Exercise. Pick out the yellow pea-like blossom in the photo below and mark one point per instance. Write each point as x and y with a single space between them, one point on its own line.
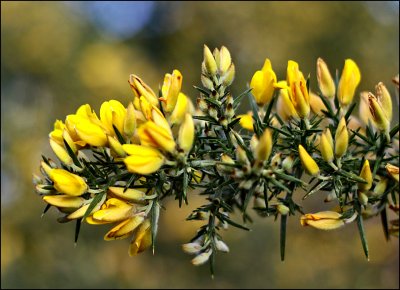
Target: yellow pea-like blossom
130 194
308 162
325 80
284 106
348 83
90 132
324 220
298 92
171 89
113 113
140 88
317 105
378 114
142 238
57 133
262 83
142 159
114 210
182 107
64 200
67 182
124 229
152 135
341 138
116 146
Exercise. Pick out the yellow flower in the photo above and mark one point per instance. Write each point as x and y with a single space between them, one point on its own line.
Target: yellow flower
116 146
308 163
348 83
113 113
341 138
324 220
142 238
186 134
366 174
263 82
246 121
90 132
57 133
130 194
298 92
170 89
124 229
114 210
393 171
140 88
64 200
67 182
142 159
378 114
325 80
264 146
182 107
152 135
284 106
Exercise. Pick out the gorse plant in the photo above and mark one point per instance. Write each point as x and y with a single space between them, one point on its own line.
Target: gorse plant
119 168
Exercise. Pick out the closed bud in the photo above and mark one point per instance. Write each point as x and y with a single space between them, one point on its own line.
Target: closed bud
348 83
213 112
264 147
229 76
61 153
140 88
192 248
116 146
362 198
384 99
186 134
317 105
282 209
225 60
366 174
287 163
276 160
209 61
308 162
207 83
341 138
201 258
67 182
241 155
326 146
325 80
130 121
64 200
380 187
380 119
202 104
170 89
221 246
246 121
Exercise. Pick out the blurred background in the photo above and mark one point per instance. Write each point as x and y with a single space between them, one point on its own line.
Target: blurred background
56 56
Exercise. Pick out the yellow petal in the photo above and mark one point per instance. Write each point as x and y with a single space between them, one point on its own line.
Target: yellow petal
348 83
116 210
341 138
186 134
142 239
68 183
246 121
366 174
143 159
128 194
61 153
181 107
90 133
264 146
124 229
325 80
64 200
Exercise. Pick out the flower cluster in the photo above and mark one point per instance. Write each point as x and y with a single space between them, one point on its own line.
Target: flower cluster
118 169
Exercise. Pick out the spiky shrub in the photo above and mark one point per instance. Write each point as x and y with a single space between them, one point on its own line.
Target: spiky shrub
119 168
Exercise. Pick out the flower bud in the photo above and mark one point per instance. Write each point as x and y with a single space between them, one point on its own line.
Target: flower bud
186 134
366 174
287 163
225 60
171 89
380 187
317 105
207 82
325 146
264 146
140 88
201 258
308 163
246 121
192 248
116 146
282 209
64 200
341 138
229 76
380 119
221 246
209 61
130 121
61 153
362 198
325 80
263 82
348 83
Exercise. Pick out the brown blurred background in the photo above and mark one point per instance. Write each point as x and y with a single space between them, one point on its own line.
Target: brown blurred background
56 56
